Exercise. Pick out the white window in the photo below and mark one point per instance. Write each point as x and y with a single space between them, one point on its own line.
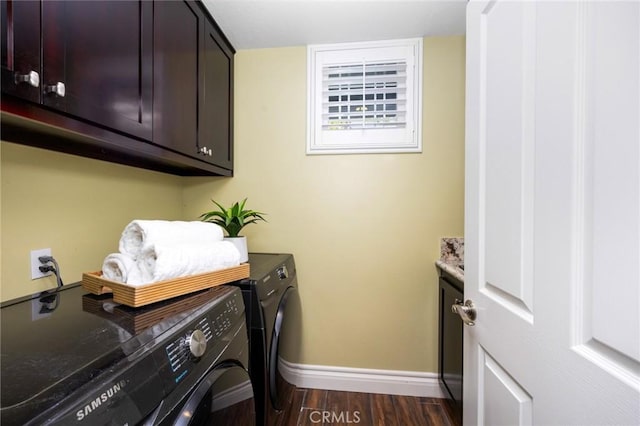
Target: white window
365 97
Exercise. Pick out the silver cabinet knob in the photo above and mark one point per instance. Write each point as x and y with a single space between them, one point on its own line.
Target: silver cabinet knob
32 78
205 151
57 89
197 343
466 311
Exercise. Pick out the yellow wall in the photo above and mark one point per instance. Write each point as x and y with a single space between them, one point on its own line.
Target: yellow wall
75 206
364 229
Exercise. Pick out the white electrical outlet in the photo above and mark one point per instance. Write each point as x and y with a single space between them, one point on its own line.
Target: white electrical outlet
35 263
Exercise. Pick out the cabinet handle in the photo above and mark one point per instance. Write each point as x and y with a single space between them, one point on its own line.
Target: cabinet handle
32 78
205 151
57 89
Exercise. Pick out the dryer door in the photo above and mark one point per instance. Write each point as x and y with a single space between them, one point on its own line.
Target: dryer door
224 397
275 381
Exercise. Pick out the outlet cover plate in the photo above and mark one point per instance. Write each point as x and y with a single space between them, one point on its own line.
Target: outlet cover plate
35 263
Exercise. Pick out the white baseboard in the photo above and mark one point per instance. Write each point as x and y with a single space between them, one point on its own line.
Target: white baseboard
392 382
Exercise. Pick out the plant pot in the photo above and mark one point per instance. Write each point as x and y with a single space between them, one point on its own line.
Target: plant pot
241 245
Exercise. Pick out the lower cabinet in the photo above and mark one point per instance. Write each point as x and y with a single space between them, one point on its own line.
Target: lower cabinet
450 340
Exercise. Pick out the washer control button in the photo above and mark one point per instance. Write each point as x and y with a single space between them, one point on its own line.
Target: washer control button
282 272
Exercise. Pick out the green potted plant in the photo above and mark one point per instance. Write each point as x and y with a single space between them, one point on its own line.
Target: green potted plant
232 220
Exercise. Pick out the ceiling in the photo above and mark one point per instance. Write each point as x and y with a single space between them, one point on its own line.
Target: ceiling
253 24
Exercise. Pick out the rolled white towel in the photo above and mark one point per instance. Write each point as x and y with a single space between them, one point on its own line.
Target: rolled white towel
160 262
141 233
121 268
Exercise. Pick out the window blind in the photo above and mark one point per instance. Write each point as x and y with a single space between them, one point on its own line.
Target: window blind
365 95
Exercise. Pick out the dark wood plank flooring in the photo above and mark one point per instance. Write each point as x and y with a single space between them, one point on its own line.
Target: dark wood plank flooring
315 407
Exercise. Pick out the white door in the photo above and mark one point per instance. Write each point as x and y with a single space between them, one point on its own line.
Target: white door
552 227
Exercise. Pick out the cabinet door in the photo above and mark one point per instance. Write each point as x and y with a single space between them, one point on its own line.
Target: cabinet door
216 118
20 28
177 40
97 62
450 347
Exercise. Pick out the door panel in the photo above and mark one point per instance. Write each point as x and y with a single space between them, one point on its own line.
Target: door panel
504 401
100 51
508 147
216 104
177 40
20 51
609 191
552 213
450 336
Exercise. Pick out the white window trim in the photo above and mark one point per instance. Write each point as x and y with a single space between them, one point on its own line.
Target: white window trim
414 96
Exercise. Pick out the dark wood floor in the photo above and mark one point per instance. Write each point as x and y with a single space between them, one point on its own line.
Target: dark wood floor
314 407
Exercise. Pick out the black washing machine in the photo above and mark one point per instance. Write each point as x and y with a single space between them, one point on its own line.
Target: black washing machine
271 287
73 358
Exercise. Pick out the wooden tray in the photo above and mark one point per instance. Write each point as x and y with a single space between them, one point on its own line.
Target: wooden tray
134 320
145 294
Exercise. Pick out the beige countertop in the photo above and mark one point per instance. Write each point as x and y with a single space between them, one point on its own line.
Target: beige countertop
453 269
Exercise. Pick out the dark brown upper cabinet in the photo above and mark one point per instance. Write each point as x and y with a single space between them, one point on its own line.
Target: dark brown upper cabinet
99 54
177 29
21 70
89 59
193 66
142 83
216 116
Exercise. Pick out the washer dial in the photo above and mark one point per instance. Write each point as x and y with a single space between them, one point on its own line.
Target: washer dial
197 343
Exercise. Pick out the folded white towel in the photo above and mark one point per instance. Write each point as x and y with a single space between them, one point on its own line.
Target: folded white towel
158 262
141 233
121 268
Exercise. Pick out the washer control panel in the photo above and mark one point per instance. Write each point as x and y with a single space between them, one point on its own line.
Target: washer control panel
192 345
223 320
197 341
